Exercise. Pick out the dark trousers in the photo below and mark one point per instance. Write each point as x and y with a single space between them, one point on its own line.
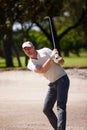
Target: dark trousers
58 91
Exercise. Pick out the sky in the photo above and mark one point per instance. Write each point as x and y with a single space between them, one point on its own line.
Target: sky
17 26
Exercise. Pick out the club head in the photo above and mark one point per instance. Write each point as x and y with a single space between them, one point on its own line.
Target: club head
46 18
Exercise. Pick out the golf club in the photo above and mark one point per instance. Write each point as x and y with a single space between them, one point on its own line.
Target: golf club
52 35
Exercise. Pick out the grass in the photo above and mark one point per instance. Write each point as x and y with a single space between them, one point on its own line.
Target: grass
71 61
22 59
2 62
76 61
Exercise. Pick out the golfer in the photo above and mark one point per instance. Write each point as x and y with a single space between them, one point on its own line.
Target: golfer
43 62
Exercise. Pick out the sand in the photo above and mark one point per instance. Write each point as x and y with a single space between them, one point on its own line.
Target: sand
22 95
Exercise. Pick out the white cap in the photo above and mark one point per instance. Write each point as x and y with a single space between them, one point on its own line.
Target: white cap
27 44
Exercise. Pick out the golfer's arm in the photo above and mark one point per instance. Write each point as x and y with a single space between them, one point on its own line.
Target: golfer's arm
44 68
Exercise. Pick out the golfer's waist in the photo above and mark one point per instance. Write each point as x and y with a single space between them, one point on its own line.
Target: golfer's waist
52 80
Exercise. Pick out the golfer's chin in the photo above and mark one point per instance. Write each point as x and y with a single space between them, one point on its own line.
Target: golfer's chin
31 56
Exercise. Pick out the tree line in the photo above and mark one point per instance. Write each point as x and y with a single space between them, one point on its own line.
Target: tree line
70 26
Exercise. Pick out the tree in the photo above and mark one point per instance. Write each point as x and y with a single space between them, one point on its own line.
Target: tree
33 11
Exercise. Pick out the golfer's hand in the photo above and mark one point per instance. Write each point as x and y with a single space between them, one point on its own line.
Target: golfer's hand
53 53
60 60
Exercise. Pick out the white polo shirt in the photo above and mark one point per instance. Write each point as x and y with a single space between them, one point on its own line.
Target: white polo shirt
55 71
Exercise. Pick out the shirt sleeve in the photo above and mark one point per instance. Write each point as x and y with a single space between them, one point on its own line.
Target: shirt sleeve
49 51
30 65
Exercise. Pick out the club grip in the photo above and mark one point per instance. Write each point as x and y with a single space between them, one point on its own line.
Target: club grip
56 58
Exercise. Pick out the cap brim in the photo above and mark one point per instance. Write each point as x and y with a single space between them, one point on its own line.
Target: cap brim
27 44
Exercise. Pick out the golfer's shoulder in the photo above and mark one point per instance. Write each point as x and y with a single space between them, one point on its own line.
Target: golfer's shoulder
45 49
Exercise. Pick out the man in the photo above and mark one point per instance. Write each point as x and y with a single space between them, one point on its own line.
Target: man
43 61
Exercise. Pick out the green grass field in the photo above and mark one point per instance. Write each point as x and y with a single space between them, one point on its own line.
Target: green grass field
79 62
71 61
76 61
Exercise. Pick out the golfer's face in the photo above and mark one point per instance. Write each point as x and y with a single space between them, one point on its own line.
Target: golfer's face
29 51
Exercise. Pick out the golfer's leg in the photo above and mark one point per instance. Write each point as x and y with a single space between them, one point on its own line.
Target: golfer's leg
49 103
62 92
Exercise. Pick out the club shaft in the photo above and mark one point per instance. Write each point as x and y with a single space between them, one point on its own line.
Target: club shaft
51 29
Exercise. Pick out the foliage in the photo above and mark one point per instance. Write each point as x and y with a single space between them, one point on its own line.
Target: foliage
39 38
71 43
67 15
